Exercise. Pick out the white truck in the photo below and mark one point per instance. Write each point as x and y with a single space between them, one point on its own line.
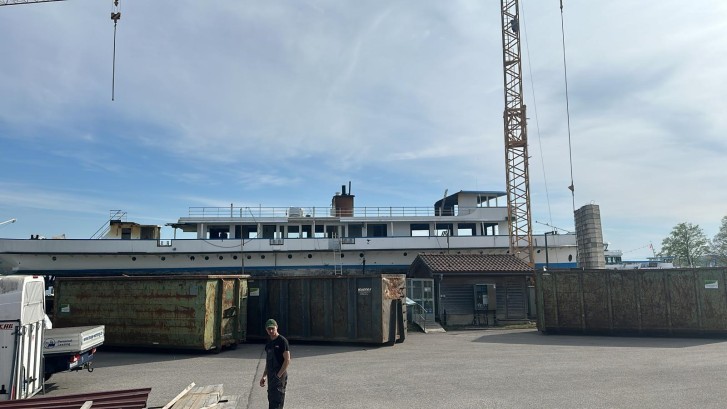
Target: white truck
30 353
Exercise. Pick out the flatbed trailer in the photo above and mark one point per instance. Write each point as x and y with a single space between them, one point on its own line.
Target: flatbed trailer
71 348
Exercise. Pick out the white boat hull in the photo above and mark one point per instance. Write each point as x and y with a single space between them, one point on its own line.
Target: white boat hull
253 256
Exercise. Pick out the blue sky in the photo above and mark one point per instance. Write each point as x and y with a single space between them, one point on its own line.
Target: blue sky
279 103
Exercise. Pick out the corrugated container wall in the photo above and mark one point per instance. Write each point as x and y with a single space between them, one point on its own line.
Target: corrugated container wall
689 302
365 309
186 312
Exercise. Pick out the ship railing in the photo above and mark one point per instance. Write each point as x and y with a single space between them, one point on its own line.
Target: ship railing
320 212
114 215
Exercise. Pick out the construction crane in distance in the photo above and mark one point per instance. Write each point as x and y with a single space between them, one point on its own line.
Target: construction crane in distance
516 137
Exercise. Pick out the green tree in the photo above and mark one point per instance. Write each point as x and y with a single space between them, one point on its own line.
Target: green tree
719 244
686 243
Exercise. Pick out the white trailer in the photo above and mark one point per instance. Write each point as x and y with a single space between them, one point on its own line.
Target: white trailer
22 309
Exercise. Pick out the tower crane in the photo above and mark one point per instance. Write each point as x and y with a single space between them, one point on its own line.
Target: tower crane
516 137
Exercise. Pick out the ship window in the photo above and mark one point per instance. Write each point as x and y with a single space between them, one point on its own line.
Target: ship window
332 231
147 233
293 232
489 229
419 229
126 233
466 229
355 230
319 234
248 231
376 230
443 229
269 231
218 232
306 231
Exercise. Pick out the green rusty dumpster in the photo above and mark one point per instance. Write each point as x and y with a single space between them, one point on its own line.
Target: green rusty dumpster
679 302
201 312
360 309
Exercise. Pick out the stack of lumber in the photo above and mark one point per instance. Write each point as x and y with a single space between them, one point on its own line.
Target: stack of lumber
202 397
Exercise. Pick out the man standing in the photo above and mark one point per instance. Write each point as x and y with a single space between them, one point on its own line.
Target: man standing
277 360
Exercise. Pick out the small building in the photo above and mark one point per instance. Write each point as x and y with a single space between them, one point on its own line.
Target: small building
470 289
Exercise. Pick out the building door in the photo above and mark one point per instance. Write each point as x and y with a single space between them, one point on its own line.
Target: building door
421 291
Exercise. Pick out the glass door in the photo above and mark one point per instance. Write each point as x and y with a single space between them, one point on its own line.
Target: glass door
421 291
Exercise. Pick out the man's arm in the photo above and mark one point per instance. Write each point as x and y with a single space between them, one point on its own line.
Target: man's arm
286 362
265 374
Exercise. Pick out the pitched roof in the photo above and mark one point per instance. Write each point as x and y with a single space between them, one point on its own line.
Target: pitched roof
470 263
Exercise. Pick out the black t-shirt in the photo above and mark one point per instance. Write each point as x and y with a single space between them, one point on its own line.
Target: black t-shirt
274 350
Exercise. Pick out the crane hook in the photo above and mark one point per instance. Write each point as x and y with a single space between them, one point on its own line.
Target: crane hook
115 16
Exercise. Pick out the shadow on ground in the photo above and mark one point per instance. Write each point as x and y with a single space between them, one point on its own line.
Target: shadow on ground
534 337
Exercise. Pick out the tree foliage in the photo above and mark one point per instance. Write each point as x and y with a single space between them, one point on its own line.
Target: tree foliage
686 243
719 244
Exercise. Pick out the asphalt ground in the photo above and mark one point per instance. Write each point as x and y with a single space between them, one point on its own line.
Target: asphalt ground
462 369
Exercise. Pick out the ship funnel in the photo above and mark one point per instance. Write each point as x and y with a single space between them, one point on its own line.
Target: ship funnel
342 205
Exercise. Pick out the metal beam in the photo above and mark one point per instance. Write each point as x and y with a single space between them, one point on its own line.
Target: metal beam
15 2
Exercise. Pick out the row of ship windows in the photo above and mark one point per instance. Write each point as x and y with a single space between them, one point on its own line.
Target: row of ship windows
262 256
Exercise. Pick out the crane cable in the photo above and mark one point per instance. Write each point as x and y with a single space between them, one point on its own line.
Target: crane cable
567 108
115 16
535 106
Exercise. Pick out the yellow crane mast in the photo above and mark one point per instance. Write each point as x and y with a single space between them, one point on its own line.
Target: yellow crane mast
516 137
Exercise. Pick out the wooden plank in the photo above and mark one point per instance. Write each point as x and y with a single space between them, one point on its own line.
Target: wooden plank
200 397
228 402
179 396
87 404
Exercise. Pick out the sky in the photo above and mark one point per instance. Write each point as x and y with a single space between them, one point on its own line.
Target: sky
279 103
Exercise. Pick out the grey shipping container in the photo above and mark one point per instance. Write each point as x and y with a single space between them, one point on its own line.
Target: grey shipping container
685 302
360 309
204 312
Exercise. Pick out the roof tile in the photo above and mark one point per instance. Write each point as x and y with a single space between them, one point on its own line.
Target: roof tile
461 263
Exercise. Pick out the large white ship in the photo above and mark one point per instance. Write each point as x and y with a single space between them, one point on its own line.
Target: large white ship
336 239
